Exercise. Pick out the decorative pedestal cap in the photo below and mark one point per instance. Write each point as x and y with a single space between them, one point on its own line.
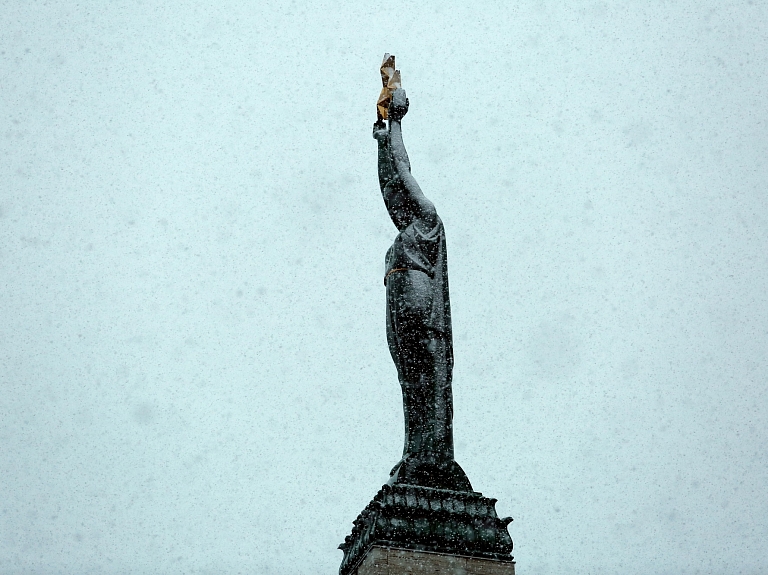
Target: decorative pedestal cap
425 519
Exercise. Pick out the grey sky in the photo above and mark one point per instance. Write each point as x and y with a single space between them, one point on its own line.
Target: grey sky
193 364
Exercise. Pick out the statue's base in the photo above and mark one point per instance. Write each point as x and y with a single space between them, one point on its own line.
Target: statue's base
392 561
437 523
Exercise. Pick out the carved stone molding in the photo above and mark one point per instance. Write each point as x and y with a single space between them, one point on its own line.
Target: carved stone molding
426 519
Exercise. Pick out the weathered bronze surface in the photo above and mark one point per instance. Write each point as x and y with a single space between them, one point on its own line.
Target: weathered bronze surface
418 315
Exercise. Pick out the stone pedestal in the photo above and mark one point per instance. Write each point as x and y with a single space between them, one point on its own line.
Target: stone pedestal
426 528
393 561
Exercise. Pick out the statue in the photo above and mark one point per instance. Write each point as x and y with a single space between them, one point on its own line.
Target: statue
418 308
428 504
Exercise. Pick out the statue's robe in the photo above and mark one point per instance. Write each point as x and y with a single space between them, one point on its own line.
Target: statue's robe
421 344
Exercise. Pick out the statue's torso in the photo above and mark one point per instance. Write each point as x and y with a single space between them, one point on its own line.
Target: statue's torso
423 251
415 249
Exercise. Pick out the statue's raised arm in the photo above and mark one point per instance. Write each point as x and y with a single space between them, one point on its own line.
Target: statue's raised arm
402 195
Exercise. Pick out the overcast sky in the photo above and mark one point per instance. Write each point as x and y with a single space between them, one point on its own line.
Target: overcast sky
193 365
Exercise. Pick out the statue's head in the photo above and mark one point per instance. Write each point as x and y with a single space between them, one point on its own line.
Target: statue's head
398 204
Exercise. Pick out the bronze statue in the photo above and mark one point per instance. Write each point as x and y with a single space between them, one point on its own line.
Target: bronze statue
418 312
428 503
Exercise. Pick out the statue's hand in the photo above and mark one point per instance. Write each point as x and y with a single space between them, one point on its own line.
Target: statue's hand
380 131
398 107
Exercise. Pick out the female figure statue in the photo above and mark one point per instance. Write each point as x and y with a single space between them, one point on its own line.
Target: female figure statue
418 315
